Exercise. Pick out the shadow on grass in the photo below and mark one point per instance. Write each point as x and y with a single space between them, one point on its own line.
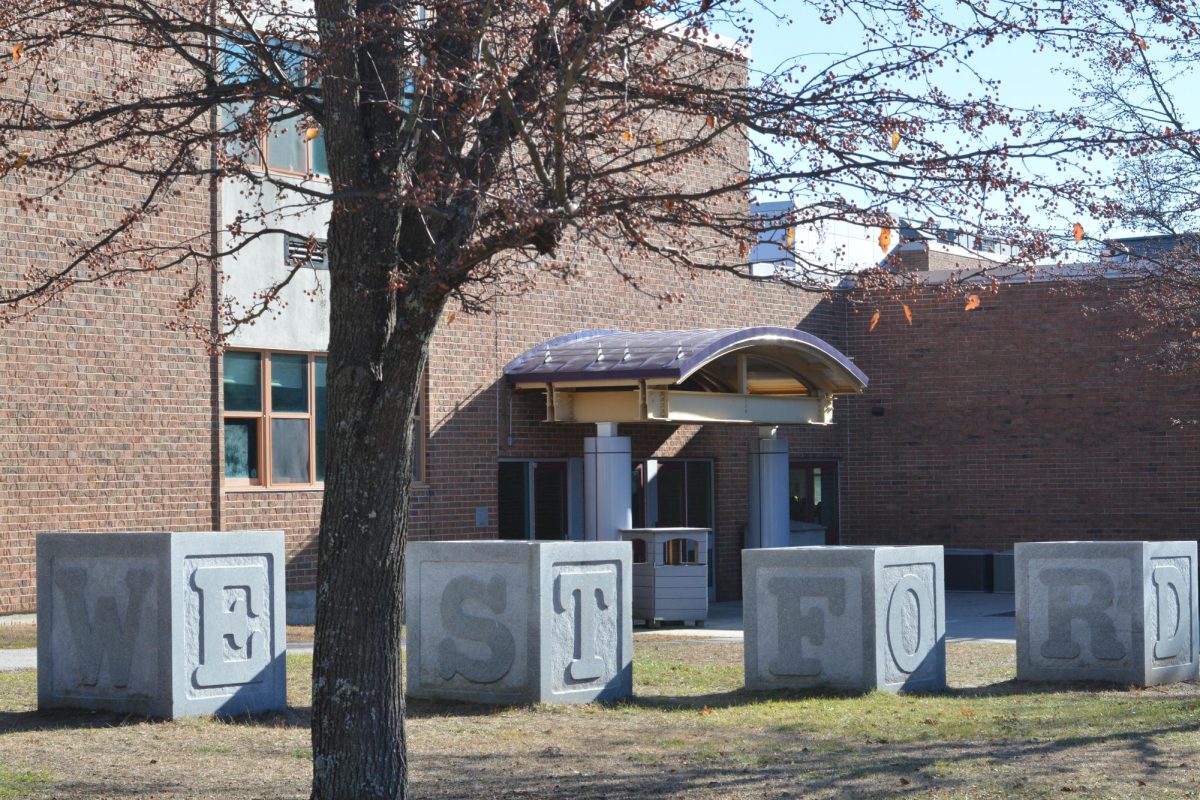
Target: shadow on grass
83 719
778 764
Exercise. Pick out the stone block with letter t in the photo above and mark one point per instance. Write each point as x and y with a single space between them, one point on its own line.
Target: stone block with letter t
845 617
162 624
1123 612
519 622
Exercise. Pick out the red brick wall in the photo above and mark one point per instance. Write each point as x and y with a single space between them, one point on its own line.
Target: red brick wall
106 414
1025 419
296 513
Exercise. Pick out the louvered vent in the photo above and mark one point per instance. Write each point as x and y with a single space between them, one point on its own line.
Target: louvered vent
305 251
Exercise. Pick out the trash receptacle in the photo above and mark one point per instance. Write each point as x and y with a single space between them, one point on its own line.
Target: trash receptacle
670 574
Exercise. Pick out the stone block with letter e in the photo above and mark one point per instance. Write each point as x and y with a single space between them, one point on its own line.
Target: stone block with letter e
1123 612
519 622
845 617
162 624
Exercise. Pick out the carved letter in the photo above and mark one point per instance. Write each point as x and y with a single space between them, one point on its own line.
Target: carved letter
794 626
1061 610
602 586
1168 581
490 632
219 625
105 635
897 622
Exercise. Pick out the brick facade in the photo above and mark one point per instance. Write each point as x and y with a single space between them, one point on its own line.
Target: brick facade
1025 419
106 413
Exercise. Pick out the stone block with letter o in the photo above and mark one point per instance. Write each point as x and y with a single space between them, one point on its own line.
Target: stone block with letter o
519 622
1123 612
162 624
845 617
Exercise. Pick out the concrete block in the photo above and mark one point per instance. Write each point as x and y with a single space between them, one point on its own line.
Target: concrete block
162 624
1123 612
847 617
519 622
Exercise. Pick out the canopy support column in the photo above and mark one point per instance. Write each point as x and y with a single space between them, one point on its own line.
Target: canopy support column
768 522
607 489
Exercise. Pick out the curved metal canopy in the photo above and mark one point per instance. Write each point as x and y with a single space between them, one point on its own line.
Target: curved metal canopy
605 357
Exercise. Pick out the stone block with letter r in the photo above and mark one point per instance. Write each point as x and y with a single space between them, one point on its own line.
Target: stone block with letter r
519 622
1123 612
162 624
845 617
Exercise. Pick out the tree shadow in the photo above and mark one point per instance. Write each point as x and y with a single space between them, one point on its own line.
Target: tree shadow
84 719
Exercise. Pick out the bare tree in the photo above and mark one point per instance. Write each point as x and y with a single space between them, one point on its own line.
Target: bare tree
1137 87
468 143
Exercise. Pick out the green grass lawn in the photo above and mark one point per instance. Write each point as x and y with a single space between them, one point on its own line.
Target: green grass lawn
691 731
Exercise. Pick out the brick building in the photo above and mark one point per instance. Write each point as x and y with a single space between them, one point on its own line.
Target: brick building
1024 419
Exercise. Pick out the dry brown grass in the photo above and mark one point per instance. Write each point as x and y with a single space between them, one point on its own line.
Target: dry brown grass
690 732
17 636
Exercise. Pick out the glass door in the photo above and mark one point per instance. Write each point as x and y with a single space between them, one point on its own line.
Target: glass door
813 502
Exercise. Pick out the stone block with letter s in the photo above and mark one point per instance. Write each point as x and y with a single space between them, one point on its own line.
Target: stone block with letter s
519 622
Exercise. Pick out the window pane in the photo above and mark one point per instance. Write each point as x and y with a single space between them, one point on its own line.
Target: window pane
289 451
639 497
319 414
514 499
241 448
289 383
320 164
286 147
550 501
671 500
826 488
241 137
699 494
798 508
243 382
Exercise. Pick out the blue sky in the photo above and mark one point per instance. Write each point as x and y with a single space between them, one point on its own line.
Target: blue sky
1028 78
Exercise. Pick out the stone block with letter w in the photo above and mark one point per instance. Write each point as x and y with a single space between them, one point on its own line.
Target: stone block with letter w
162 624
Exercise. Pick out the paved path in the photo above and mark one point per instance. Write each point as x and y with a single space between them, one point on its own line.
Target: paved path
970 617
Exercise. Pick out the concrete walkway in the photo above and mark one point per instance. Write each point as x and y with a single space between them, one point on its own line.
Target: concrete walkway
970 617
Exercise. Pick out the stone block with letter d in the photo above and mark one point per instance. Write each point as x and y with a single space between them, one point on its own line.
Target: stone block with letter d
519 622
845 617
1123 612
161 624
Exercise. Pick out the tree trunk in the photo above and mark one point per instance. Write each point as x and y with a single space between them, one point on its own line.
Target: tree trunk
377 352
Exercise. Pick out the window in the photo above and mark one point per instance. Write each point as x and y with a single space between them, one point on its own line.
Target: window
813 499
536 498
275 407
286 147
292 145
677 493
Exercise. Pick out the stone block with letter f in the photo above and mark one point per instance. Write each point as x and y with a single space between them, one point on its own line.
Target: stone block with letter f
1123 612
845 617
519 622
162 624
